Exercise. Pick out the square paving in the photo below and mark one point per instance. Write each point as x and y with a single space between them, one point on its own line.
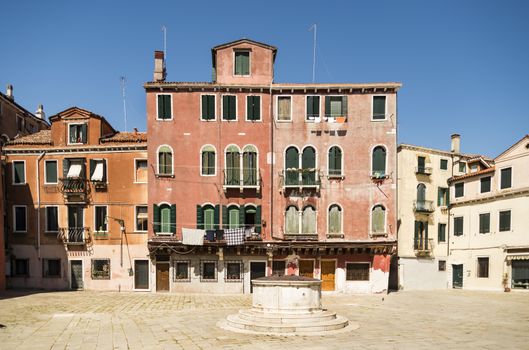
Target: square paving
450 319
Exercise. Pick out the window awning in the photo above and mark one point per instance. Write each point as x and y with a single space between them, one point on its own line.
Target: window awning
75 170
98 172
518 257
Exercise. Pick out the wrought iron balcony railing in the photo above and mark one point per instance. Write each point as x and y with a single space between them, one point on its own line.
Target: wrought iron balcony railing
301 178
241 178
74 185
423 170
420 206
74 235
423 246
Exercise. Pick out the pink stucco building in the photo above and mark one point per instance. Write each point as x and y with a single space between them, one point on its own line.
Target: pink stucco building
283 178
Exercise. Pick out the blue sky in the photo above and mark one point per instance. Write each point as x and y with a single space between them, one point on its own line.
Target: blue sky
464 65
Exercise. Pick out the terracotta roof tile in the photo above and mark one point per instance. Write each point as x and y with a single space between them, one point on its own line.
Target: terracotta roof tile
42 137
126 137
466 176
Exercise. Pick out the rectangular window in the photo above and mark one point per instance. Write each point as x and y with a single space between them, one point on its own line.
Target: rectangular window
506 178
485 184
459 189
278 268
253 108
20 123
100 269
313 108
242 63
98 170
284 108
208 107
441 234
20 267
100 213
20 218
484 223
442 265
208 271
50 175
462 167
19 172
77 133
483 267
181 271
51 267
444 164
141 218
52 219
233 271
458 226
140 172
379 107
357 272
229 107
505 220
442 196
164 107
335 106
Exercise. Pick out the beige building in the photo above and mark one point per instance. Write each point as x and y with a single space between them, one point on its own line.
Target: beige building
489 228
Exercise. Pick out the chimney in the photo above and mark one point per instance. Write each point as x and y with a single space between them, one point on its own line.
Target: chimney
456 143
40 112
159 66
9 92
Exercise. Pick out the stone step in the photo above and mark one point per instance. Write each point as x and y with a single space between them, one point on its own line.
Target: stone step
276 318
299 328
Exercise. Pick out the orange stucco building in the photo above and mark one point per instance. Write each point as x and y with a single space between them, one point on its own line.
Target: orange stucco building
281 178
76 206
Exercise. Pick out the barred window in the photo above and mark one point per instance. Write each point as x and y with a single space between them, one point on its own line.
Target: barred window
181 271
100 269
233 271
208 271
357 272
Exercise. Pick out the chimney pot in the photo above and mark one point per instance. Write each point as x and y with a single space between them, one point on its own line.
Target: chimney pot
40 112
159 66
456 143
9 92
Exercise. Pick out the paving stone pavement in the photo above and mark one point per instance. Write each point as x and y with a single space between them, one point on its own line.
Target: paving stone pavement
451 319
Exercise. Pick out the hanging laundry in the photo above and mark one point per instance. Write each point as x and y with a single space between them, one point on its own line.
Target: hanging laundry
210 235
191 236
234 236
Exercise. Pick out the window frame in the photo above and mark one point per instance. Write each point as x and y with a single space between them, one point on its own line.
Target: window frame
14 272
92 264
462 165
249 51
200 160
373 108
169 223
327 116
441 164
241 271
480 215
175 270
46 261
69 131
500 187
236 119
439 225
215 279
171 102
13 173
457 233
371 219
46 222
462 183
136 217
342 163
347 263
479 272
214 108
15 230
319 119
500 228
260 108
372 158
158 174
46 181
481 184
136 160
441 265
298 219
105 224
341 211
276 109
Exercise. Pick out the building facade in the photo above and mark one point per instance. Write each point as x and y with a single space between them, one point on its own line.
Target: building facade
280 178
76 206
490 221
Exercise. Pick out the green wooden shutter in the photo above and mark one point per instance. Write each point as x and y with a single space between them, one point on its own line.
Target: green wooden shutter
332 161
104 170
173 218
258 219
379 107
327 106
344 106
200 217
310 107
84 135
506 178
160 107
379 161
216 217
232 108
167 107
225 107
156 218
242 216
257 108
439 195
426 235
211 107
316 106
205 114
92 167
225 221
250 108
65 167
416 235
246 63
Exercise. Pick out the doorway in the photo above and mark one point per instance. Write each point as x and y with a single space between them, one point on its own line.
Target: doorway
141 274
75 224
457 276
328 270
162 277
306 268
257 269
76 274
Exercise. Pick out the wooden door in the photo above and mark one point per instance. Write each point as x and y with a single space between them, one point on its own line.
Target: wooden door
306 268
457 276
76 271
328 269
162 277
141 274
257 269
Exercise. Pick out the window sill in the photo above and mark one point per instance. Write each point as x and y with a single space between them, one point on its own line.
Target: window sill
164 119
379 120
336 177
208 120
182 280
165 175
230 120
254 121
284 121
139 232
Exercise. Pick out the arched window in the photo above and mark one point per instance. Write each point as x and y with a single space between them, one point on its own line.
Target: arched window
249 166
208 160
291 220
378 219
308 164
232 166
233 216
308 220
335 161
379 162
165 160
209 217
335 219
421 193
291 166
165 218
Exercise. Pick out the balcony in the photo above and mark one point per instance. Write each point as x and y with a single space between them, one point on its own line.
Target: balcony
423 206
99 186
301 236
74 189
423 247
301 178
423 170
74 235
241 179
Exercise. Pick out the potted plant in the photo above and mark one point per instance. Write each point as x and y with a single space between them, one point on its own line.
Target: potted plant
505 282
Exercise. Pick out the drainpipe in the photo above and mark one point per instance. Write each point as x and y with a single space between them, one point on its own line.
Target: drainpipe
38 202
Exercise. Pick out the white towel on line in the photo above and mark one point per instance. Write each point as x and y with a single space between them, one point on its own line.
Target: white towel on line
192 236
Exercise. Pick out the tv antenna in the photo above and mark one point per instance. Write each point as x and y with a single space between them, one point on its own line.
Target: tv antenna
315 27
164 30
123 81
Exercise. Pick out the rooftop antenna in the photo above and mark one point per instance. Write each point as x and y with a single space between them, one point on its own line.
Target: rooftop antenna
315 27
164 30
123 81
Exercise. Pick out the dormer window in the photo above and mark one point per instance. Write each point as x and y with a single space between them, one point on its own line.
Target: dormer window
242 62
77 133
